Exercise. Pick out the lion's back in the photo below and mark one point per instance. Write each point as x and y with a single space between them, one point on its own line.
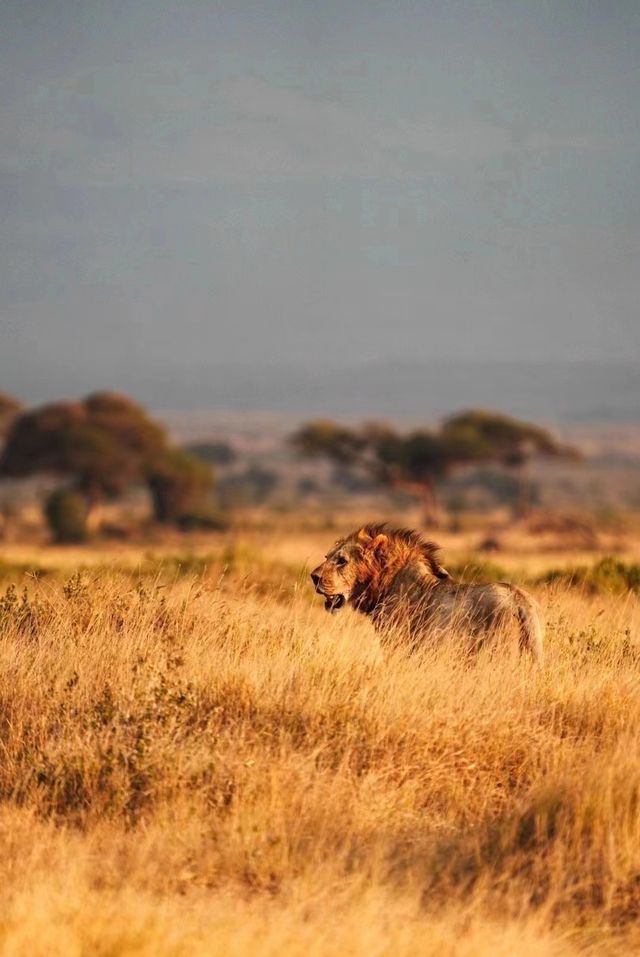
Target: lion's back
461 606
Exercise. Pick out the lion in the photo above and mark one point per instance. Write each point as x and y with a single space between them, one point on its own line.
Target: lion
395 577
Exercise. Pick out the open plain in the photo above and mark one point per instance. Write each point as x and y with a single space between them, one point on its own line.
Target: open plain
198 760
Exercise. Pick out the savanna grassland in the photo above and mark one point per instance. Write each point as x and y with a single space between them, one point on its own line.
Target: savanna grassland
197 760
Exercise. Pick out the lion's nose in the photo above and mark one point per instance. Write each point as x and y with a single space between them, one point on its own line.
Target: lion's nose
315 578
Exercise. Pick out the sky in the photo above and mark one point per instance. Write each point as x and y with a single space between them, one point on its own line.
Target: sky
193 186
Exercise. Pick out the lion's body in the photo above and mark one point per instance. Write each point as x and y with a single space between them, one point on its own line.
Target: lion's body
427 610
396 579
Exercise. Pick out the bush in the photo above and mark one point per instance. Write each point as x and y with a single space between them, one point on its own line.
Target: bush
179 484
213 453
608 575
66 514
478 570
203 518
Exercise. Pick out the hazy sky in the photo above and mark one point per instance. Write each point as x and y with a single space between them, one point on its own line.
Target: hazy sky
195 183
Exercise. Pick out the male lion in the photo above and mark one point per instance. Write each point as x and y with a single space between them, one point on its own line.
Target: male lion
394 576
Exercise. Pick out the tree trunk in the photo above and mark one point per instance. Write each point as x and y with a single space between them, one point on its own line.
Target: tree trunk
432 515
92 494
523 502
425 492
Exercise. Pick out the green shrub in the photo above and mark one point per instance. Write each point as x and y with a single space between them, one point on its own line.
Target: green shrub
66 514
477 570
179 483
608 575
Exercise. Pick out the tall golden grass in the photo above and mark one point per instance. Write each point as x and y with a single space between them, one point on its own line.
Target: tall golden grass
202 762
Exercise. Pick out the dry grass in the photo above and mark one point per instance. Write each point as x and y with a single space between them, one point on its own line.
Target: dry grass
197 760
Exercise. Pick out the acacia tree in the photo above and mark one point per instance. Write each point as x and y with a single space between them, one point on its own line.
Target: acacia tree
418 461
506 441
412 463
329 440
103 445
502 438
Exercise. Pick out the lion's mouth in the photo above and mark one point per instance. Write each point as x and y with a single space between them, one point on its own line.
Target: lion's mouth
334 603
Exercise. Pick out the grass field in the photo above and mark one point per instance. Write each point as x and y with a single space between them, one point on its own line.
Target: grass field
197 760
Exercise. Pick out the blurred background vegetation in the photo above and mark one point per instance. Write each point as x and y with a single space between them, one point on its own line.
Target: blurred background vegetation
103 467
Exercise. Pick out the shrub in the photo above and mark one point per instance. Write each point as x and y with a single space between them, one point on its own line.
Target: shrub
179 483
213 453
608 575
478 570
66 514
203 518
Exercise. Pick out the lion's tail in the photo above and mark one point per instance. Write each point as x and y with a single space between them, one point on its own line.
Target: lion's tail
530 623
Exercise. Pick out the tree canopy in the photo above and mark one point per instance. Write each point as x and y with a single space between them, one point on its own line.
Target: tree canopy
325 439
419 459
104 443
490 436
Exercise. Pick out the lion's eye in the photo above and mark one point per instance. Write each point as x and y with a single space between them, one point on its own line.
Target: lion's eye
340 561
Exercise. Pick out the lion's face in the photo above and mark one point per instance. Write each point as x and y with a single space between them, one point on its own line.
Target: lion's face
346 572
336 577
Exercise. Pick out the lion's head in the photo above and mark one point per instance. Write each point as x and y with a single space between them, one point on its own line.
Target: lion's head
357 569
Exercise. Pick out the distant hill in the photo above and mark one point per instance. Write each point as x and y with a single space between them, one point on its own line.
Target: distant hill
554 391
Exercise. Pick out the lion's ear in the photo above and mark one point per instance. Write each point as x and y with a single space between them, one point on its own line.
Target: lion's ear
378 545
364 537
